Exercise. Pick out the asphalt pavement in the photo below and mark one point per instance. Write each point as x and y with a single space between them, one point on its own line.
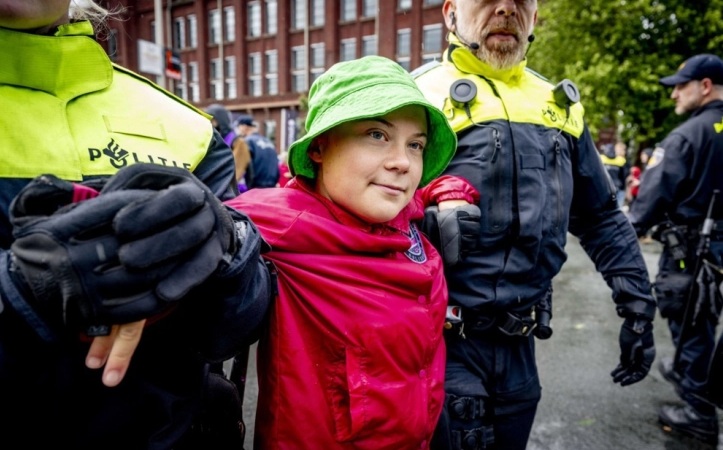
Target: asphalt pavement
581 408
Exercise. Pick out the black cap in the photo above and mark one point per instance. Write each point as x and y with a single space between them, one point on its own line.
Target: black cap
245 119
696 68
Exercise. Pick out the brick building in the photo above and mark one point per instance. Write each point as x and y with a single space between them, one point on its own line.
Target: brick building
260 56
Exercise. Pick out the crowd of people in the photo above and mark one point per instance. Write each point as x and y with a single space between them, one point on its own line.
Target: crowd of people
395 264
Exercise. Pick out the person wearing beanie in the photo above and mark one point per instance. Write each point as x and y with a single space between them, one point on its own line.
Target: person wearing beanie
353 356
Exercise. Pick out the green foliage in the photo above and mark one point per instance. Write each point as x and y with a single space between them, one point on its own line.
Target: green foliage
616 51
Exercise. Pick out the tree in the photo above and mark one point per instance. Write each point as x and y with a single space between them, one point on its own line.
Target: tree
616 51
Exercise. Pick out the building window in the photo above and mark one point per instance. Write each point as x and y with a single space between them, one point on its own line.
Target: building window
369 45
179 33
216 79
181 87
229 23
230 76
298 18
214 27
272 73
271 17
431 42
348 49
404 5
348 10
254 25
433 2
298 69
254 73
317 61
369 8
192 31
317 13
404 47
194 93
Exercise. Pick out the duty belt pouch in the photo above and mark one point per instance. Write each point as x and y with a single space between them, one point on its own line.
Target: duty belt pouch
671 291
513 324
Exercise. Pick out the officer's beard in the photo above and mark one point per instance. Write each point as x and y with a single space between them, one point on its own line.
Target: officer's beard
502 55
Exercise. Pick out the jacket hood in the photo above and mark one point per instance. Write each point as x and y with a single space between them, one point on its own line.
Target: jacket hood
222 117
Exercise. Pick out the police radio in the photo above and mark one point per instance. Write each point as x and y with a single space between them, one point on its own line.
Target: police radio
565 94
462 92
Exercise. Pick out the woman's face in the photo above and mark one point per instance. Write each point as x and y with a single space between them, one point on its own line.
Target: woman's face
372 167
33 16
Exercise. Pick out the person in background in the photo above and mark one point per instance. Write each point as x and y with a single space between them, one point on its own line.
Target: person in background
264 160
539 178
675 192
636 172
354 356
120 283
221 120
614 158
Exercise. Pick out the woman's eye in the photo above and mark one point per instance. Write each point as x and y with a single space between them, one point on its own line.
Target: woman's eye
416 146
376 134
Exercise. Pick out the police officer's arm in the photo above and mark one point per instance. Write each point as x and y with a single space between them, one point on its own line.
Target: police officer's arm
608 238
606 234
665 173
243 291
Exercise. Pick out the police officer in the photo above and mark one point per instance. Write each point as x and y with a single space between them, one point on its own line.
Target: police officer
524 146
113 311
675 191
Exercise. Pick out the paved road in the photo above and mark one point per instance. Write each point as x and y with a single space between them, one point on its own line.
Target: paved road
581 408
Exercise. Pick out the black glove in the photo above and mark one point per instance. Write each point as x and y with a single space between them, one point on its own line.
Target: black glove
183 232
153 234
637 351
65 264
46 194
454 232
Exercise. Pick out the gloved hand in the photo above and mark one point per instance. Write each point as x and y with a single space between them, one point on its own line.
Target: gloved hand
637 349
153 234
46 194
183 232
65 264
454 232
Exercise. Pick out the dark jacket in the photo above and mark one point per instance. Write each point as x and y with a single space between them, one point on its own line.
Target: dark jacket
683 172
539 176
264 160
97 118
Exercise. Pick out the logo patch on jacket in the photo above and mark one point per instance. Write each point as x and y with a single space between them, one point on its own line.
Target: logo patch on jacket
656 157
416 251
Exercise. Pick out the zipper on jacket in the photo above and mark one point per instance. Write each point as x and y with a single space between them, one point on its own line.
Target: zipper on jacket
558 183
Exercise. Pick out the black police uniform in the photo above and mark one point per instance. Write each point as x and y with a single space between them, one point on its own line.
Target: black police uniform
676 188
539 175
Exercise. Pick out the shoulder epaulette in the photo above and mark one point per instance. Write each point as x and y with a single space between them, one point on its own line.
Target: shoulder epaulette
157 87
424 68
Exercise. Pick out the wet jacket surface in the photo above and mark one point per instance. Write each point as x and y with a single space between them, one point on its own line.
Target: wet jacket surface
69 111
683 172
354 355
539 175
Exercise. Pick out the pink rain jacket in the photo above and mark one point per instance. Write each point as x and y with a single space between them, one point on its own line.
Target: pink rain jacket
353 356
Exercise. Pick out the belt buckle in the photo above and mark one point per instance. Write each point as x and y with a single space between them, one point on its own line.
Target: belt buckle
514 325
454 320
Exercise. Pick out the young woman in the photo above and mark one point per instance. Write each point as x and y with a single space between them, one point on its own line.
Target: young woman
354 355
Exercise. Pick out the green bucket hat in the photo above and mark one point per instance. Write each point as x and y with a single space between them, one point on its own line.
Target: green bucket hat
372 86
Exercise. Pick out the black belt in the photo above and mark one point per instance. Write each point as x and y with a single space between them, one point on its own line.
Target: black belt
508 323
